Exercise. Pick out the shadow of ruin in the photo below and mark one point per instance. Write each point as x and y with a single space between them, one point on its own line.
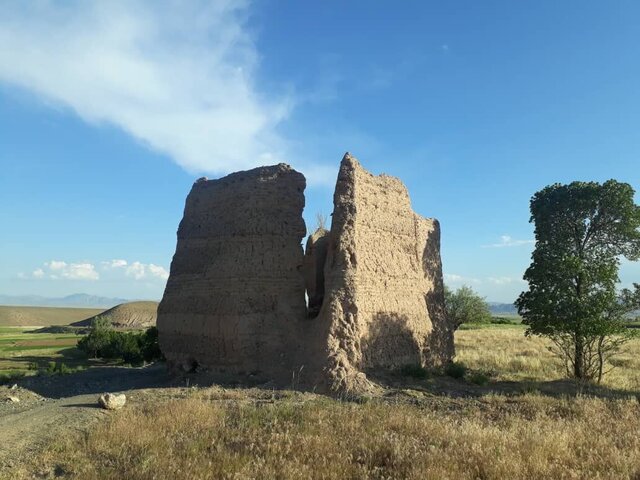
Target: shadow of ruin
235 302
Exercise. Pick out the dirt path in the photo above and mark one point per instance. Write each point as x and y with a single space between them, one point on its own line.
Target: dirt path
53 406
25 432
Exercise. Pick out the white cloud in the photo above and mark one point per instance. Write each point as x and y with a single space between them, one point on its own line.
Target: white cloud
137 270
140 271
114 263
507 241
158 271
71 271
178 76
505 280
58 269
56 265
454 278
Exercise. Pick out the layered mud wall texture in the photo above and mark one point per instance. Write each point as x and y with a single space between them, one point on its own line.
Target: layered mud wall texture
384 293
235 292
235 299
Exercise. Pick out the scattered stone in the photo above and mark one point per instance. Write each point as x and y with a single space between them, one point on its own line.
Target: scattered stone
13 400
14 386
112 401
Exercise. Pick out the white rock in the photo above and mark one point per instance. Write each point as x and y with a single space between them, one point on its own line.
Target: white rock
112 401
13 399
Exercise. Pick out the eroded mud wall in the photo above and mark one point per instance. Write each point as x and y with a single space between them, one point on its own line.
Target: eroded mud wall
235 293
384 300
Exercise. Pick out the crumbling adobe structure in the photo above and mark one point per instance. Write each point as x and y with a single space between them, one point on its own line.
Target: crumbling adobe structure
235 298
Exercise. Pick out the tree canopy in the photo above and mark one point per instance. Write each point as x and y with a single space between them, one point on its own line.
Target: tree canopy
581 229
465 306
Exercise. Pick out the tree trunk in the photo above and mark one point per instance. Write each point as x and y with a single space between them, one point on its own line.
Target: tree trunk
600 358
578 363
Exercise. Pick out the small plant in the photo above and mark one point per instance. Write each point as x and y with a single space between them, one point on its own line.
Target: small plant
54 368
11 376
456 370
478 378
321 221
414 371
503 321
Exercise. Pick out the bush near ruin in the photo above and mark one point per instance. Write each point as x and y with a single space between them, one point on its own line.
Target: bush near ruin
134 348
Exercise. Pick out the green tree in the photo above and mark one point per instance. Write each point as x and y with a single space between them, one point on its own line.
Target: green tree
98 339
581 230
465 306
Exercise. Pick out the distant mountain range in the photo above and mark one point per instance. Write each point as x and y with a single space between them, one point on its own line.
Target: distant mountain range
502 308
75 300
95 301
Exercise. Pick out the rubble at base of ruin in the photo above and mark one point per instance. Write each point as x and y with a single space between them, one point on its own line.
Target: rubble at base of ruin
235 303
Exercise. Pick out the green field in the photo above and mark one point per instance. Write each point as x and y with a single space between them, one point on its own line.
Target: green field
43 316
25 353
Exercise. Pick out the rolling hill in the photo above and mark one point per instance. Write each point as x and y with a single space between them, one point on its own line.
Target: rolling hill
75 300
19 316
131 315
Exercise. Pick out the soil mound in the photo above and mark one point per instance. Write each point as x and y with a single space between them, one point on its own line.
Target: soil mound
132 315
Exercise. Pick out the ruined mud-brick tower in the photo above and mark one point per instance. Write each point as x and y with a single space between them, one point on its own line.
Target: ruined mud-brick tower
235 299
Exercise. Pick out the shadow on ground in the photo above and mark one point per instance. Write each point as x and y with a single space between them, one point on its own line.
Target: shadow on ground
440 385
99 380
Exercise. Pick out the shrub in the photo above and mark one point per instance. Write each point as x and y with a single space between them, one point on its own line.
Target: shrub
11 376
131 347
503 321
413 370
149 345
456 370
54 368
478 378
465 306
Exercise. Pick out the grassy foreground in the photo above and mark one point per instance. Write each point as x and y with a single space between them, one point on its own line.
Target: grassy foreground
417 432
208 437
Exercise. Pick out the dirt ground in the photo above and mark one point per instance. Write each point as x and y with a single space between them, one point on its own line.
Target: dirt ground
50 406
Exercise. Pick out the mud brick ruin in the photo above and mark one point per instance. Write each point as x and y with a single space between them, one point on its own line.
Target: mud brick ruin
236 298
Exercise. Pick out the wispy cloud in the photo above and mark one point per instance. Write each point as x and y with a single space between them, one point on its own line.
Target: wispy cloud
508 241
61 270
178 76
505 280
137 270
456 279
460 279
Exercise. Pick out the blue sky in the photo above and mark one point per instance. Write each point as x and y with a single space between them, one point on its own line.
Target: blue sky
110 110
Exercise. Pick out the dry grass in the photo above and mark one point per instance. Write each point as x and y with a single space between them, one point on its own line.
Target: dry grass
507 355
495 438
43 316
244 434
